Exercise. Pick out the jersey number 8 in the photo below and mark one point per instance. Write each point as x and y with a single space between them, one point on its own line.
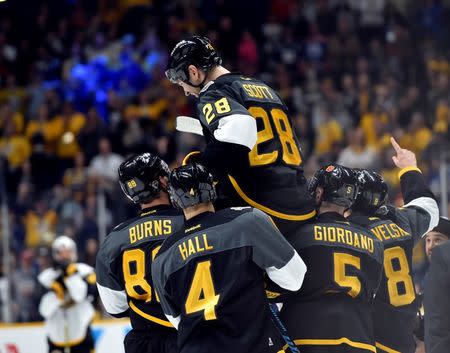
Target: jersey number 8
398 275
134 275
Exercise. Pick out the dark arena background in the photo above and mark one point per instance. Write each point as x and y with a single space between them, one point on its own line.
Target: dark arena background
82 87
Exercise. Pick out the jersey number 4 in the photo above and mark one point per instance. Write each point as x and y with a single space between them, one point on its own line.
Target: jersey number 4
134 270
290 152
202 295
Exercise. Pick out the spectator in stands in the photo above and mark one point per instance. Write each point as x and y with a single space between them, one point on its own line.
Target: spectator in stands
76 178
16 149
104 166
357 154
69 124
90 134
40 222
328 132
25 289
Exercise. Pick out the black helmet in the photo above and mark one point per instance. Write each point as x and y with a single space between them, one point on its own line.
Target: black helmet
373 191
338 183
197 51
139 176
190 185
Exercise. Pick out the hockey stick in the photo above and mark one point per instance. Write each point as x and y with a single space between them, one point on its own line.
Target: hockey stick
282 329
188 124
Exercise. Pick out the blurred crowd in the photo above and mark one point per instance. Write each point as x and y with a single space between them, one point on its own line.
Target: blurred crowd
82 86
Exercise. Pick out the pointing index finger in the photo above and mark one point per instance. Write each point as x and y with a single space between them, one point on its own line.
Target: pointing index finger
395 145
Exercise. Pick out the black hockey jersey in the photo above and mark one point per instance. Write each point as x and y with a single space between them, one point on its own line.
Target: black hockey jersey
395 306
210 279
124 267
333 308
271 176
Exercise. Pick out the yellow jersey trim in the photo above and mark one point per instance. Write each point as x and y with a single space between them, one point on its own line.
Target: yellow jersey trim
58 289
386 349
69 343
268 210
333 342
71 269
149 317
188 156
92 278
408 169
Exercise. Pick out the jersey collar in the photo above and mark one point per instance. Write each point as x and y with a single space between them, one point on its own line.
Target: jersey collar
331 217
152 210
205 87
197 218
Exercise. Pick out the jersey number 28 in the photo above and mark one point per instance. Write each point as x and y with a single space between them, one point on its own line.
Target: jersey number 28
290 152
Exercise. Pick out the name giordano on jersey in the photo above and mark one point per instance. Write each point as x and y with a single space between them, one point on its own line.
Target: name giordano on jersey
344 236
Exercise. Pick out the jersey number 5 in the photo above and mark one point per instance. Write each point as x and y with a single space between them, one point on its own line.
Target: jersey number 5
202 295
341 261
133 264
290 151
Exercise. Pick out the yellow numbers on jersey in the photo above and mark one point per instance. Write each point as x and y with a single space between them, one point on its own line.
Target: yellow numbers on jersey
202 295
341 260
291 154
397 276
221 106
290 151
266 134
136 278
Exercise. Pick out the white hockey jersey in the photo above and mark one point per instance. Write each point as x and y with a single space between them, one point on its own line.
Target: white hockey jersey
67 307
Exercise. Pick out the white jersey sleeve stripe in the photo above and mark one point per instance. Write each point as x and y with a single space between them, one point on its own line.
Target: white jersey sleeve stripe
114 301
237 128
430 206
291 275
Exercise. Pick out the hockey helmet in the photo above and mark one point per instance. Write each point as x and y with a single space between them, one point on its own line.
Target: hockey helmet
139 176
61 243
190 185
197 51
373 191
338 183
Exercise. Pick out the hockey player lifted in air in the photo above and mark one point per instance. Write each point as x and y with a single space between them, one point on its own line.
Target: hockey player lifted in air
251 147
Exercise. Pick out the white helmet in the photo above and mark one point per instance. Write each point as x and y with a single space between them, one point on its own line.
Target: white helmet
63 242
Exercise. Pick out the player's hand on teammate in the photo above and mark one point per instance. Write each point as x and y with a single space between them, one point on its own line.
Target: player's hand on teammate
404 158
